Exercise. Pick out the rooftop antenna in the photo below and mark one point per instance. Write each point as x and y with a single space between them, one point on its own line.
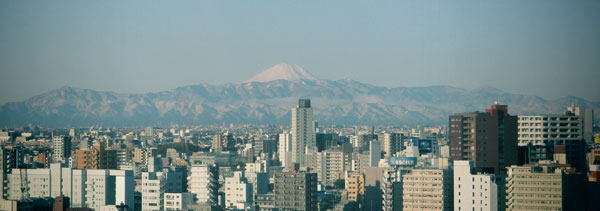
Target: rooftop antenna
497 102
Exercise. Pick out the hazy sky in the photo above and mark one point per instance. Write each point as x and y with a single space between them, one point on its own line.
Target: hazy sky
542 47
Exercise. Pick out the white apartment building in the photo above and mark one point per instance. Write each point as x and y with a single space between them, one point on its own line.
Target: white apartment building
204 183
330 166
553 129
473 191
238 192
90 188
285 150
155 185
61 148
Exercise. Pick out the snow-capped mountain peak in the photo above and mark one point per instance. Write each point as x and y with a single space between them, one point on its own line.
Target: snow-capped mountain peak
282 72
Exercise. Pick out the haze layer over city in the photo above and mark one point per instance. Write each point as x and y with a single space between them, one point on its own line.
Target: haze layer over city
299 105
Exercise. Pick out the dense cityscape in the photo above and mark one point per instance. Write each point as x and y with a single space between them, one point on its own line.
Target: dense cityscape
481 160
283 105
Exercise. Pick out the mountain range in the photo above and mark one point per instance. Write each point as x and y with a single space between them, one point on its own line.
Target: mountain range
267 98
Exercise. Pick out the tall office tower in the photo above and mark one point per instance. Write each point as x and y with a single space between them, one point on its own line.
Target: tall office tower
417 189
238 192
86 188
544 188
330 166
156 184
473 191
223 142
374 153
204 183
354 187
391 143
295 190
303 132
586 116
488 139
544 137
10 158
61 148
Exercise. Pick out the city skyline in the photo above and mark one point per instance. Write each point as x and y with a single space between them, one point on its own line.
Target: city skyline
272 105
131 47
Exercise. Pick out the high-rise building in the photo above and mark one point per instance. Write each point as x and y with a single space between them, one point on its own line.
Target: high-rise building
417 189
285 150
203 182
107 159
488 139
326 141
544 137
224 142
391 143
238 192
330 166
86 159
61 148
295 190
354 186
544 188
374 153
303 132
586 116
156 184
257 175
10 158
473 191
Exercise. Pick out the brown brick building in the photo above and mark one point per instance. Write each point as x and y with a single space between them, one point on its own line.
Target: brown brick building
488 138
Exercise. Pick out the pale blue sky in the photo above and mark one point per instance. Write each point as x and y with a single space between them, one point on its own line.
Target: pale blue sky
549 48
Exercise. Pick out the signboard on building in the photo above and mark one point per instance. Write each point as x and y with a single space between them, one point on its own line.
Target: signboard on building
402 161
425 146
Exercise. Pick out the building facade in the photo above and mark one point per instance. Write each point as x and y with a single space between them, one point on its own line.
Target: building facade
488 138
295 190
85 188
203 182
238 192
417 189
544 188
473 191
303 132
545 137
61 148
